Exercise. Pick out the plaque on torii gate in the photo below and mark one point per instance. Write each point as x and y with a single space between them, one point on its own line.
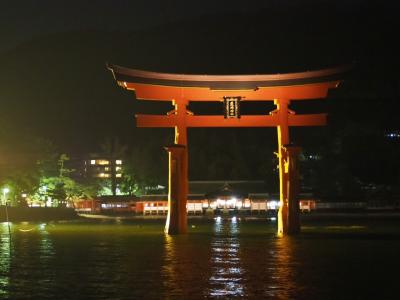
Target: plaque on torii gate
180 89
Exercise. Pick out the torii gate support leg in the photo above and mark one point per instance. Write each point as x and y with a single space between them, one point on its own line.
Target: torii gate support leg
289 211
177 195
293 188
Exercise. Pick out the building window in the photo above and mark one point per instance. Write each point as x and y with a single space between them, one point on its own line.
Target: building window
103 175
103 162
117 168
119 175
118 162
92 162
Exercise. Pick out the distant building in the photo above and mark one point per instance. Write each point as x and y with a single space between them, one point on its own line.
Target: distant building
204 197
105 168
100 167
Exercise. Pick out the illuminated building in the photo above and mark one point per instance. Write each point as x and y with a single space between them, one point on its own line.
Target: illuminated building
225 197
103 168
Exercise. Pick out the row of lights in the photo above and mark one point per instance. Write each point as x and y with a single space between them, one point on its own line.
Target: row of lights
393 135
104 162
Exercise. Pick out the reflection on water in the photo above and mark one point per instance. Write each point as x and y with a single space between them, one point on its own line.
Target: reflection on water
46 249
225 258
5 258
282 284
226 271
32 257
185 268
171 267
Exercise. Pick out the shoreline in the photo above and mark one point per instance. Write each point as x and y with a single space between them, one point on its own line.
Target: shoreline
303 216
22 214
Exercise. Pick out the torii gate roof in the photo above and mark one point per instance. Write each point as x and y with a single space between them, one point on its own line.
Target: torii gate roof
225 82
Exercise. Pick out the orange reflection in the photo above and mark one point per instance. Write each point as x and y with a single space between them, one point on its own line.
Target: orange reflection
282 284
185 265
170 267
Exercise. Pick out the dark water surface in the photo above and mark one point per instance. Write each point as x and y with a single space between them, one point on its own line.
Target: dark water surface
224 258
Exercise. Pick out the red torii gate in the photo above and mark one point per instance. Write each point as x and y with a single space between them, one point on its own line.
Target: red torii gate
180 89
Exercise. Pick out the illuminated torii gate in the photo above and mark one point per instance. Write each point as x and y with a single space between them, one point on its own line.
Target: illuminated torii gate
180 89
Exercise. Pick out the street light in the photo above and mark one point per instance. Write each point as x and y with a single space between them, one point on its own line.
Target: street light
5 192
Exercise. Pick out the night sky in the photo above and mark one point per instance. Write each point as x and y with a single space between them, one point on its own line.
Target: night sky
30 19
54 82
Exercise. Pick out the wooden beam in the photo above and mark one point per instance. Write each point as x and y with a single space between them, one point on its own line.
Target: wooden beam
168 93
307 120
219 121
156 121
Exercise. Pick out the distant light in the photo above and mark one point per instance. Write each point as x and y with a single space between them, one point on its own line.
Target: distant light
231 202
247 203
218 219
273 219
92 162
6 190
234 220
393 135
24 195
221 202
273 204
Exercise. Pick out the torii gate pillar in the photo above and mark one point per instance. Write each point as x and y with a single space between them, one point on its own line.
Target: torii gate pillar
289 211
177 190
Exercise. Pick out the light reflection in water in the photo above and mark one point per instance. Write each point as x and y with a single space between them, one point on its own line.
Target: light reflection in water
185 269
170 268
282 284
47 256
227 274
5 260
46 249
